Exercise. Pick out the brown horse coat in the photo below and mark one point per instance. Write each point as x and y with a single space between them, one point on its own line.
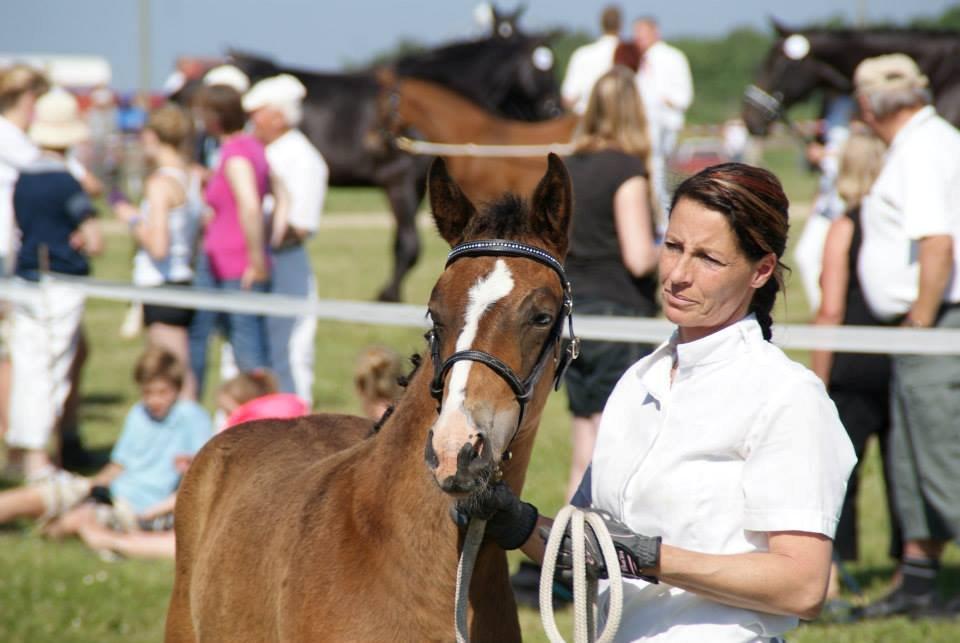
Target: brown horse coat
304 530
439 115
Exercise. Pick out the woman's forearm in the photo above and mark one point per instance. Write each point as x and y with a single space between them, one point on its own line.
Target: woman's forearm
772 582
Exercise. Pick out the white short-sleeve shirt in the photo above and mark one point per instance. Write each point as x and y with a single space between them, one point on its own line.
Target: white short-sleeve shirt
587 64
744 441
304 173
666 85
916 195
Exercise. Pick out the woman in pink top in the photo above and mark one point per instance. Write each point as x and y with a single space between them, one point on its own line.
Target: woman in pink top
235 244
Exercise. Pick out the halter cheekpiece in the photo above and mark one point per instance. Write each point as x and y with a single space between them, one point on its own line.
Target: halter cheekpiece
522 389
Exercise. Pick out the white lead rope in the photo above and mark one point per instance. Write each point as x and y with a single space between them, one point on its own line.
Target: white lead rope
471 545
584 590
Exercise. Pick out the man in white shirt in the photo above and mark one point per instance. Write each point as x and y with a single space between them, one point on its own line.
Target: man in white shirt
907 267
666 88
275 106
590 62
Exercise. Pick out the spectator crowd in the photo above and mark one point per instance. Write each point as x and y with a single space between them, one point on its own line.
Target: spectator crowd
235 190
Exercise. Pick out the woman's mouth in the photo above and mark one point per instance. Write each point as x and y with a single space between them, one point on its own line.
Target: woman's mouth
674 299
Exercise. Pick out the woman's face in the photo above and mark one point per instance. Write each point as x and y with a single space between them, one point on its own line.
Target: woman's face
707 282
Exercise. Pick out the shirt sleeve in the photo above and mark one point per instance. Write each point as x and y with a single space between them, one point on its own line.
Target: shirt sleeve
678 85
307 185
926 197
798 461
78 205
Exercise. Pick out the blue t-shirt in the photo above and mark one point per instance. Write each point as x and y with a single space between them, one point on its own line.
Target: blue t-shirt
147 447
49 205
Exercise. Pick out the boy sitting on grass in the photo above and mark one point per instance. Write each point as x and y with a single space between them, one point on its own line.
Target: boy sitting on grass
142 473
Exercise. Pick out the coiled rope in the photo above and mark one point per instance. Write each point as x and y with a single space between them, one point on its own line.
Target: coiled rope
584 589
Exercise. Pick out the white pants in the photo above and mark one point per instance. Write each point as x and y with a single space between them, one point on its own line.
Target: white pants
291 339
808 255
44 335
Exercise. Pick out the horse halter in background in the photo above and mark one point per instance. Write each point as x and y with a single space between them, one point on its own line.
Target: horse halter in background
521 389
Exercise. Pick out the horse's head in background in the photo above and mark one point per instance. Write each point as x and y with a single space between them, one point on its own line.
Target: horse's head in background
498 312
513 77
798 62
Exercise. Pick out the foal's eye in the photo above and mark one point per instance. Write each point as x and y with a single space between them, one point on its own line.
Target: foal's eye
542 319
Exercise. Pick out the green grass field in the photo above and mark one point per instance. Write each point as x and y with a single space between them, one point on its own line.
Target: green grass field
64 593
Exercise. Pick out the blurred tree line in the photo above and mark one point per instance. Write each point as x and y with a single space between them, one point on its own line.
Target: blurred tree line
722 66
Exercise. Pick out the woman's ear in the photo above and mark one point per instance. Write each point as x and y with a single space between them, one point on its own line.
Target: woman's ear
763 270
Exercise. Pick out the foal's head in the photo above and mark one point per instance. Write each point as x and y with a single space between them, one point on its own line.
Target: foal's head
505 306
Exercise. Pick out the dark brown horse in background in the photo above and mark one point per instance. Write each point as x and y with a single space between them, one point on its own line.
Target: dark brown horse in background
432 112
786 77
505 75
301 530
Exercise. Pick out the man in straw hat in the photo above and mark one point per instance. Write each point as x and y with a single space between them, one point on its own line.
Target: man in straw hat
275 106
907 266
58 233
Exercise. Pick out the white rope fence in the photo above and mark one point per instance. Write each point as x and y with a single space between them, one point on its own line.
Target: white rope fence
415 146
851 339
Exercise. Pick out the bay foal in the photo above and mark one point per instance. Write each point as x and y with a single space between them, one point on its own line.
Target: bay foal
301 530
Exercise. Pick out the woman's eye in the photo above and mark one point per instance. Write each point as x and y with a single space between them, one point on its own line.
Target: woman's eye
672 246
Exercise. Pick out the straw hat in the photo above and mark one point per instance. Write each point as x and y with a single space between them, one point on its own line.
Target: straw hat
57 123
892 71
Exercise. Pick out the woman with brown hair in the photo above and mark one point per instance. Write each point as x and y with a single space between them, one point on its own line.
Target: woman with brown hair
612 253
721 464
235 244
165 229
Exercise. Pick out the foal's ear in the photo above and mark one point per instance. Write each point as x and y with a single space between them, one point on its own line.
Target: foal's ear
553 204
452 210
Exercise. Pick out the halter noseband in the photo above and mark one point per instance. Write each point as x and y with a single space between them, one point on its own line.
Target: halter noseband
521 389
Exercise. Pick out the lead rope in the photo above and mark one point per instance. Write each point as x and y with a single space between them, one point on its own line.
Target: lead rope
584 589
471 545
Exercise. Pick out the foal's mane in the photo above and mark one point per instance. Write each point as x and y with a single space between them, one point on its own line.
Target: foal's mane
508 217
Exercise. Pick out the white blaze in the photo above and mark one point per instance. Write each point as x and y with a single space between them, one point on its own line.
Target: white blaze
483 294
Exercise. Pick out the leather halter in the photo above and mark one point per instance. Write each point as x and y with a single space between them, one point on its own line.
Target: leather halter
522 389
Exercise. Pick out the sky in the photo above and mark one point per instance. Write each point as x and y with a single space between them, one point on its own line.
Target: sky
326 34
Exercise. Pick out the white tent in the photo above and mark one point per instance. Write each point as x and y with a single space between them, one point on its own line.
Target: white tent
70 71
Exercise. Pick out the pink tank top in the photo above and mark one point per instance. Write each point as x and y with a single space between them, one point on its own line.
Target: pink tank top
223 242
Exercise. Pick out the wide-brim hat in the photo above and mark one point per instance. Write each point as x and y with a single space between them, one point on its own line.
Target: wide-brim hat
57 122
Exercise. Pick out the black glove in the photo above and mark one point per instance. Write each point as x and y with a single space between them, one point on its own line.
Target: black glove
634 551
510 521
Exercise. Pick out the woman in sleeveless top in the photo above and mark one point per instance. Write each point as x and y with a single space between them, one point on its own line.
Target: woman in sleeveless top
165 229
612 255
859 384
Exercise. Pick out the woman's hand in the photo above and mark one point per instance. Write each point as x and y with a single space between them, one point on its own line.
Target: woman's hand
126 212
254 274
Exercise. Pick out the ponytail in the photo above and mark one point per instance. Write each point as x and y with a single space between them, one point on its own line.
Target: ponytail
762 305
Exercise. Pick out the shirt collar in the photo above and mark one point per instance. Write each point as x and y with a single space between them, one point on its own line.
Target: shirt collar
721 345
915 122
